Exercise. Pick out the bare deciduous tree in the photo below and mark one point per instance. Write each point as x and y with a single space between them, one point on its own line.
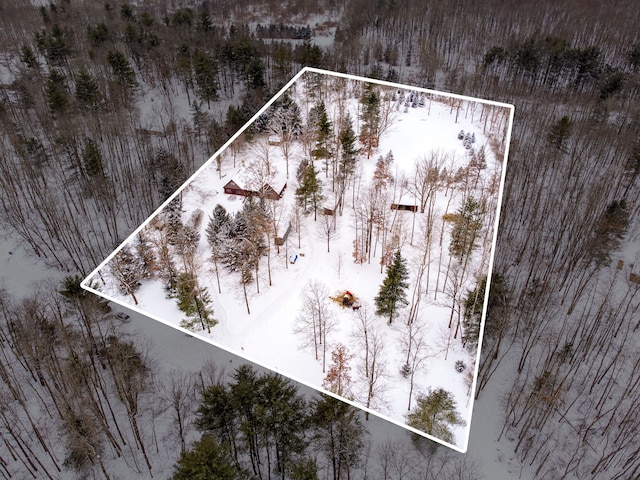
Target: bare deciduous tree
316 320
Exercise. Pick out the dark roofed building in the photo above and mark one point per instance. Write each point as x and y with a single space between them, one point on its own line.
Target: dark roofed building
267 191
234 189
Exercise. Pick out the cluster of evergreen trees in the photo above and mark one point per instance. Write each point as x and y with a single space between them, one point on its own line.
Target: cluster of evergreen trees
283 31
554 62
240 241
259 426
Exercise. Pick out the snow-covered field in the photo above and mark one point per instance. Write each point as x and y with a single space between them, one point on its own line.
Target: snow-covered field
267 335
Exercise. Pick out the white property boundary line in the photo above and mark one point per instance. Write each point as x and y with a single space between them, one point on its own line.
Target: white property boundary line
86 282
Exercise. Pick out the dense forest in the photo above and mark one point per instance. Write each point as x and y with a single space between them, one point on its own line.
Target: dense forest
107 107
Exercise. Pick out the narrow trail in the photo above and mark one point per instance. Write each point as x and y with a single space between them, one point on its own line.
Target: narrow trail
245 333
296 277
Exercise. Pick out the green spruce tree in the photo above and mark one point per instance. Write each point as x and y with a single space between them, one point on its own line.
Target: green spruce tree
121 69
559 134
309 193
465 231
435 414
324 129
194 301
206 76
92 159
473 310
393 295
608 232
207 459
349 151
370 131
28 57
57 98
97 34
88 93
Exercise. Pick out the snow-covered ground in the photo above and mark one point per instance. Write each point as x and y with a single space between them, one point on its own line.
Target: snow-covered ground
19 269
266 336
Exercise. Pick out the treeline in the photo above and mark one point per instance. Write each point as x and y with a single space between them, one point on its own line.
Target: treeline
260 426
266 429
283 31
553 62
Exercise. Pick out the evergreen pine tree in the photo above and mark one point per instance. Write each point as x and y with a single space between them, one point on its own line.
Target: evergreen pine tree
56 92
216 414
324 129
219 223
186 240
121 68
171 173
194 301
609 230
632 168
146 254
183 67
309 193
27 57
57 45
370 132
285 119
304 469
435 414
473 310
186 290
393 295
71 288
126 12
349 151
633 56
338 434
255 414
284 413
200 118
204 23
98 34
465 230
92 159
207 459
255 74
246 243
206 76
473 314
173 218
126 268
87 91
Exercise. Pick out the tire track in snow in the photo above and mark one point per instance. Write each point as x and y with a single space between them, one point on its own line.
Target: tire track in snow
251 337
